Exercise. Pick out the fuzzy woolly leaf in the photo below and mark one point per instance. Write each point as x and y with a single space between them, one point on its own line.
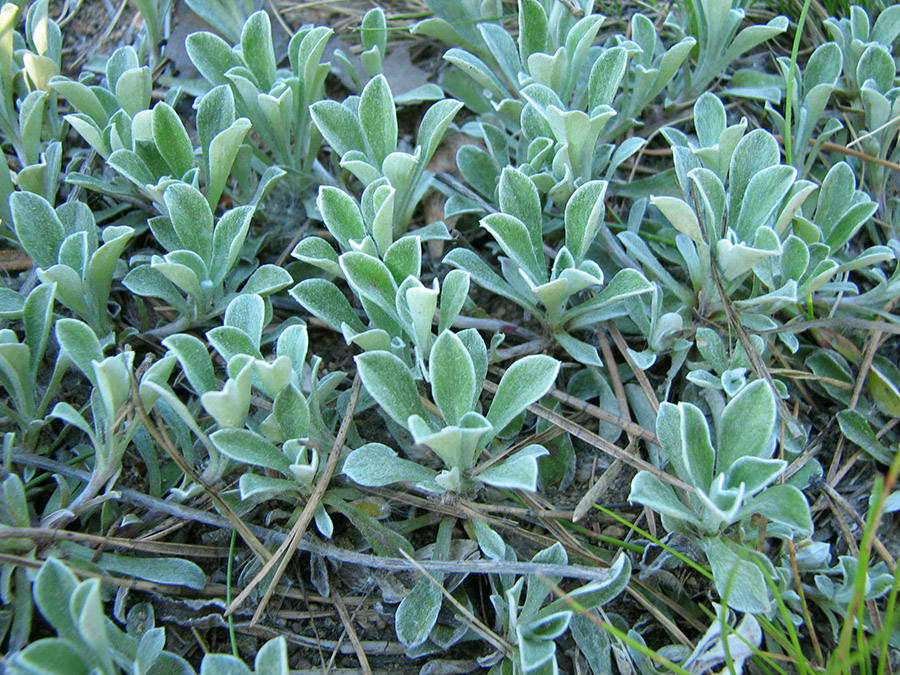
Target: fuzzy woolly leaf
388 381
376 465
746 425
245 446
527 380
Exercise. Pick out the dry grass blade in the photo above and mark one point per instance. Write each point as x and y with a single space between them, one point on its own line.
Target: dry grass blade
158 432
476 625
158 547
598 442
351 633
283 554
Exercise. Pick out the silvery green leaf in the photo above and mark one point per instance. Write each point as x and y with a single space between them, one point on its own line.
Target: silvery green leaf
255 487
376 465
477 69
150 648
584 216
490 543
247 312
537 655
378 118
149 282
341 215
452 377
51 656
606 74
370 280
230 406
134 90
856 429
739 581
339 126
627 283
194 360
229 341
578 349
756 151
220 156
746 425
527 380
130 165
755 473
156 569
257 51
223 664
735 260
518 472
291 411
709 119
191 218
316 251
422 304
12 303
433 126
82 97
37 317
112 377
763 195
404 258
325 301
515 240
519 198
418 613
388 381
684 434
533 28
294 343
484 276
680 215
454 292
80 344
245 446
274 375
38 228
266 280
600 592
272 658
782 504
53 586
172 140
650 491
479 170
738 646
103 263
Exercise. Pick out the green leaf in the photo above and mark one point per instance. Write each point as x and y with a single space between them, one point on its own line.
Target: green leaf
454 292
519 472
515 240
452 376
229 407
53 587
174 571
756 151
527 380
228 240
376 465
172 140
782 504
519 198
341 215
371 280
50 656
856 429
418 613
378 118
339 126
325 301
194 360
245 446
746 425
533 29
38 228
191 218
266 280
740 582
272 658
223 664
433 126
80 344
291 412
388 381
257 50
37 317
584 216
650 491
